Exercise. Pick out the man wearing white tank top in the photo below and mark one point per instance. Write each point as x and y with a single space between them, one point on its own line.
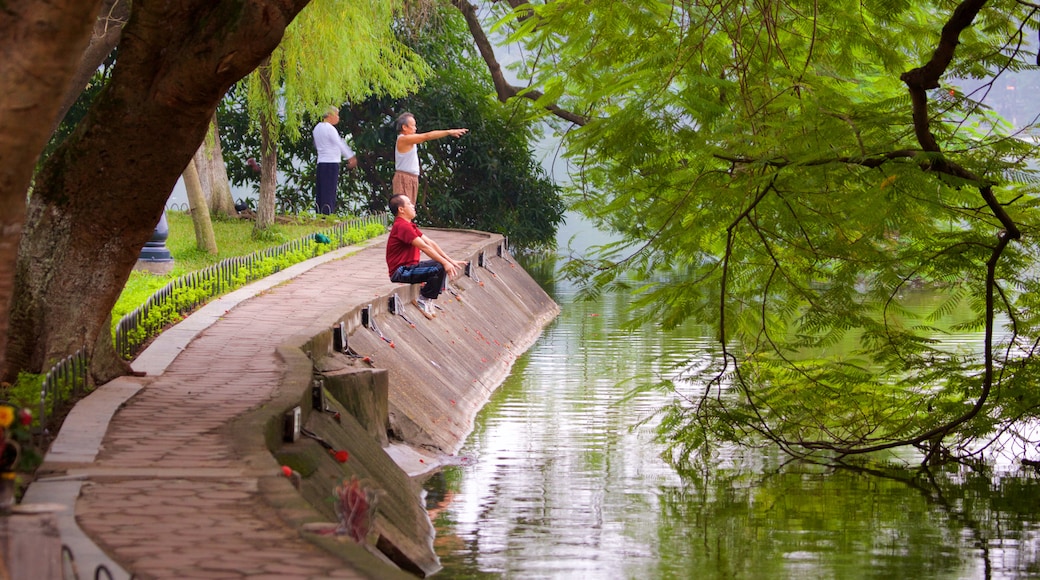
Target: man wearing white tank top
406 154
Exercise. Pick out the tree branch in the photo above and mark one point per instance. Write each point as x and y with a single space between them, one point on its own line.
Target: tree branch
108 28
921 79
503 88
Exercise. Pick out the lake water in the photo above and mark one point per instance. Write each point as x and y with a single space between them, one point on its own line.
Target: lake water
568 481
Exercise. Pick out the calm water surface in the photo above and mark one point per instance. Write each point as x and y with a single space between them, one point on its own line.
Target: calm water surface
567 481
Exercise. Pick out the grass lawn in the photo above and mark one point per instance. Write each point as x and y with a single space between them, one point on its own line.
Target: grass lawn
234 238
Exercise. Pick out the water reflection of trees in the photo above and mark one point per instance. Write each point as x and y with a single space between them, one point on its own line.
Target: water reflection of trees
810 521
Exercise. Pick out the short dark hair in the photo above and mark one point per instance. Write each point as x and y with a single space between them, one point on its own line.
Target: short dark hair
396 202
402 120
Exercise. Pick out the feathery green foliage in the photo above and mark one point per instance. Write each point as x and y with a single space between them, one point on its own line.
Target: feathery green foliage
768 176
336 51
492 168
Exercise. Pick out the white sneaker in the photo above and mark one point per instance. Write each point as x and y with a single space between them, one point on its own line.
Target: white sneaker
425 305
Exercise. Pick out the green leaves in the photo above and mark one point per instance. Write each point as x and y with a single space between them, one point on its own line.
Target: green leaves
337 51
768 174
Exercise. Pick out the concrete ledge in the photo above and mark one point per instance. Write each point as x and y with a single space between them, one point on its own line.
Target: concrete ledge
79 439
88 558
440 371
66 465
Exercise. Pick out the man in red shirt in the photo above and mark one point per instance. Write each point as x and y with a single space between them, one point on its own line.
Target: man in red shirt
402 256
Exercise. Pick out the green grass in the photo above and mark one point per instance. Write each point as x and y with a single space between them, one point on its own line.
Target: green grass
234 237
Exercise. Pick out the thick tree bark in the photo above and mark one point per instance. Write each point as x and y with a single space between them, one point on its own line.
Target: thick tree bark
100 194
39 46
209 161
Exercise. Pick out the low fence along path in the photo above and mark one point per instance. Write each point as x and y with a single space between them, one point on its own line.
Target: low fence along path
146 466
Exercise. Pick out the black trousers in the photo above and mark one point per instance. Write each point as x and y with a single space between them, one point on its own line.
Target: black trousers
327 184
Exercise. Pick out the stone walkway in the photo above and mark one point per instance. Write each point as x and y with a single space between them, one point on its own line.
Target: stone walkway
146 468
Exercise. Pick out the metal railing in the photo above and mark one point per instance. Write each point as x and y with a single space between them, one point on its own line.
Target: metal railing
132 332
66 381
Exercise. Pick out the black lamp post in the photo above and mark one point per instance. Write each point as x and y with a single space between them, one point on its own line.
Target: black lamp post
154 256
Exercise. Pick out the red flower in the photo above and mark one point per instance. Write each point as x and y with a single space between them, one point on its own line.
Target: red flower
341 456
25 417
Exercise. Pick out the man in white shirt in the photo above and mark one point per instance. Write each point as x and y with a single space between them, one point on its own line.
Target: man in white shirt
331 148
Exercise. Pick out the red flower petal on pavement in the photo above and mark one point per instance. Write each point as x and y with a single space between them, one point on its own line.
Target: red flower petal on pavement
287 471
342 456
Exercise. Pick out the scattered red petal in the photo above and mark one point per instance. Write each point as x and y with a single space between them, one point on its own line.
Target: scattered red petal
341 456
287 471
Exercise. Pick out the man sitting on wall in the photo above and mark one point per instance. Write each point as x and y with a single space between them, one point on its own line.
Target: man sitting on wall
402 256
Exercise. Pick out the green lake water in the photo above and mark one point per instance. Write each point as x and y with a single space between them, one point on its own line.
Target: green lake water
564 479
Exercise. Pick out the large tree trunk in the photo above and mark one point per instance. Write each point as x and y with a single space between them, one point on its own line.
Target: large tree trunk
268 154
100 195
209 161
39 47
200 218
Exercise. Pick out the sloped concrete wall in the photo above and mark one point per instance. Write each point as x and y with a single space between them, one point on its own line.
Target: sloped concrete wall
406 390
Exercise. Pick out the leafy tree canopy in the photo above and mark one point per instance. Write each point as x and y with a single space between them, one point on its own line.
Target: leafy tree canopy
488 180
788 173
335 50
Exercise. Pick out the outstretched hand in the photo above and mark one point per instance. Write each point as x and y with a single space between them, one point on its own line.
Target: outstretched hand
454 267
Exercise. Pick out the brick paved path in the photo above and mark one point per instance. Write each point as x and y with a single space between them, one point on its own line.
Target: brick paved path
165 496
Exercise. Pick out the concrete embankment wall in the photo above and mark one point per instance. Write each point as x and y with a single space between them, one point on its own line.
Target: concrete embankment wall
398 393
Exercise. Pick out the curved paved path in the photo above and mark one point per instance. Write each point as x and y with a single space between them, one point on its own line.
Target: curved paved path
146 465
